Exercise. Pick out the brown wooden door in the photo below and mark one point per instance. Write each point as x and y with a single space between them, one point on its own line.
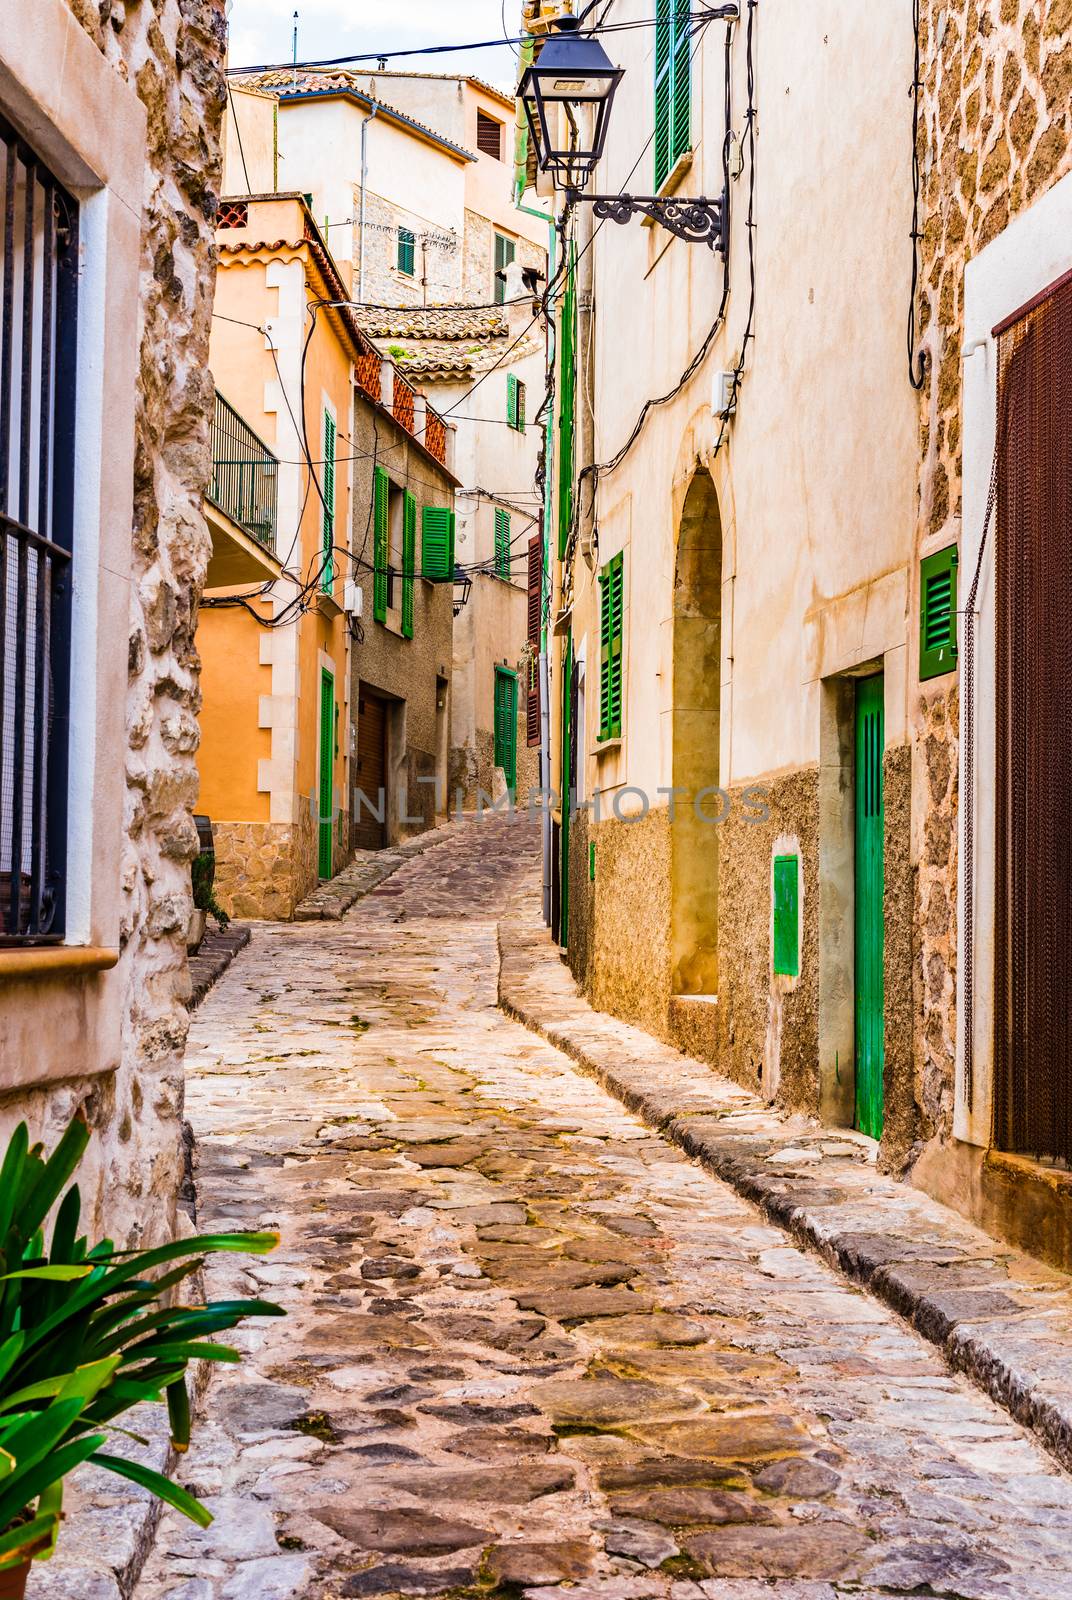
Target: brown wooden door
370 805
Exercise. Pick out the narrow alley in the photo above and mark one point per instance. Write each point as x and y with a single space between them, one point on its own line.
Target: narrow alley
529 1343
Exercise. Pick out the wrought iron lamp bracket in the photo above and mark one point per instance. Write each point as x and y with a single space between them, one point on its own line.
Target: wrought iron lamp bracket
696 220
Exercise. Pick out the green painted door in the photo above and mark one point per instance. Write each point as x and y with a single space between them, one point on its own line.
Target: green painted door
506 726
567 788
870 1032
327 766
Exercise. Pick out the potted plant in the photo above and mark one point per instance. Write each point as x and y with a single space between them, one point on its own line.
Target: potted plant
85 1335
203 878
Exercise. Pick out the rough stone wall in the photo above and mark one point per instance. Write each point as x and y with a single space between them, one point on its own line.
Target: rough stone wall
995 134
901 1085
437 256
263 869
173 52
769 1031
630 936
478 266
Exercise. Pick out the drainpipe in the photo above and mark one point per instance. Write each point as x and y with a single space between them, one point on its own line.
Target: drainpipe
361 222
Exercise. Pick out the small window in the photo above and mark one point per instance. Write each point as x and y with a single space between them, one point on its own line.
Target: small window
938 613
406 251
505 250
489 136
515 402
502 543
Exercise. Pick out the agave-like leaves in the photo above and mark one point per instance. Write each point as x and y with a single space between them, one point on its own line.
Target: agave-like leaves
87 1333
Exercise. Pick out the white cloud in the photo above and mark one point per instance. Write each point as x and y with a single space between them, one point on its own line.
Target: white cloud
261 31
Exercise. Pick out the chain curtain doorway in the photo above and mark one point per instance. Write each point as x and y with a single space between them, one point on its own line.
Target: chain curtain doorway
1033 923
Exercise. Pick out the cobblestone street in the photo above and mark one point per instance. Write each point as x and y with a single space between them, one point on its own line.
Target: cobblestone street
530 1344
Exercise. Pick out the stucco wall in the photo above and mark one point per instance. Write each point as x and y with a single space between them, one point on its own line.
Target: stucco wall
406 671
172 55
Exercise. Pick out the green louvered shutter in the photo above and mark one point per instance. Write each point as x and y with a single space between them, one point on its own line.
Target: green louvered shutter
663 88
681 65
567 390
673 87
938 613
406 243
379 544
511 399
437 544
502 543
611 617
409 554
327 575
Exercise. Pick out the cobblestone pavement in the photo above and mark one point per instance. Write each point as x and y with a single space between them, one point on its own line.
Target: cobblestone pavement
531 1346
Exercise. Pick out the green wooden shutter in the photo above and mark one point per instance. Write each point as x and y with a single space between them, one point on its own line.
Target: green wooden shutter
611 618
437 543
406 243
326 788
567 391
409 552
327 489
502 543
504 255
505 707
379 544
673 87
938 613
511 399
787 916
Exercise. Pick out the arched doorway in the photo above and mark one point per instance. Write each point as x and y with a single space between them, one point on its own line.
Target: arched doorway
697 689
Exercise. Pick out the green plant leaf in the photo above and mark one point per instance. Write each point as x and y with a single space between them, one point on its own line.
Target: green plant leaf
28 1539
162 1487
35 1206
22 1487
10 1351
49 1274
50 1504
178 1404
185 1352
11 1175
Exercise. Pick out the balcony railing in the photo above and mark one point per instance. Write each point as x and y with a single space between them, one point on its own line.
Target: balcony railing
245 475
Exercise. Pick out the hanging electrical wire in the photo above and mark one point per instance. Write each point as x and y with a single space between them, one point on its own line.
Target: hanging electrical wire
917 366
450 49
596 470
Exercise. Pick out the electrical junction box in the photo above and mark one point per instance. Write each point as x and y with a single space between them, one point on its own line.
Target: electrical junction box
723 403
353 598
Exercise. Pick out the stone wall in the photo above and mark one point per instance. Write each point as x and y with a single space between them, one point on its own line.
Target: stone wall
173 52
995 135
263 869
478 266
437 255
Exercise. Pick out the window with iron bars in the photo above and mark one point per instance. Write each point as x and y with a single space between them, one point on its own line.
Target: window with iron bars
38 338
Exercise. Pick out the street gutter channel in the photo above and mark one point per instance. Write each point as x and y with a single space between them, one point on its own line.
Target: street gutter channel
998 1316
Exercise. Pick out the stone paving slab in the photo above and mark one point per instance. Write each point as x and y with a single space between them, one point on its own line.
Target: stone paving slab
751 1425
218 950
365 872
999 1316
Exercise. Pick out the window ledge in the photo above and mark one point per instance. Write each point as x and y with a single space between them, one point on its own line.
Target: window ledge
603 747
327 605
45 961
671 183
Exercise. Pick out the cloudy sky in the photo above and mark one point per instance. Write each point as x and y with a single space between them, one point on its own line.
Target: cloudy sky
261 32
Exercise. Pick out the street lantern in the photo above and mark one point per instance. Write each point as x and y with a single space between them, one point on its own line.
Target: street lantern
461 588
567 94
